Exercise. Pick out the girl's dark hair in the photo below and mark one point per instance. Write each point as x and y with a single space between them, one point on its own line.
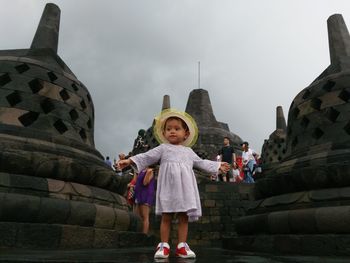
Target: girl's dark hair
183 123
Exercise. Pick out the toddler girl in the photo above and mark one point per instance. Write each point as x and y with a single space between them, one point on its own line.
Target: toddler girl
177 190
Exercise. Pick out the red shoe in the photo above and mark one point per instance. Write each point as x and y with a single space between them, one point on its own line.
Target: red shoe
163 250
184 251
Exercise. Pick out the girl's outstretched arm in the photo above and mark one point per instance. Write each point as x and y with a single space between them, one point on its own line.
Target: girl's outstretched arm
224 167
143 160
209 166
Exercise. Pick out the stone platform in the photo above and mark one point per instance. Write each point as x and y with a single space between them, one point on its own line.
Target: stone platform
145 255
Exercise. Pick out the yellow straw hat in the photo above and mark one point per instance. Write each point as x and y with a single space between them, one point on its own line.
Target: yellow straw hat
160 120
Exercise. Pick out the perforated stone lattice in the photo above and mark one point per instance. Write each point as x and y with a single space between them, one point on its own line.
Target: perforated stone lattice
76 116
28 118
328 86
347 128
317 133
64 95
52 76
344 95
22 68
326 102
60 126
75 87
35 85
89 124
4 79
304 122
47 106
332 114
273 150
14 98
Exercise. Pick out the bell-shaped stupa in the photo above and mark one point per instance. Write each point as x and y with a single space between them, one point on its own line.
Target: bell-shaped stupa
211 132
305 197
274 149
55 189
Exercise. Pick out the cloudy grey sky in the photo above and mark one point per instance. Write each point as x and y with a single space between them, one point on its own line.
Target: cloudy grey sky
255 55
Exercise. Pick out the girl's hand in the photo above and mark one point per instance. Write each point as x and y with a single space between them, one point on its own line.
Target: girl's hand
224 167
121 164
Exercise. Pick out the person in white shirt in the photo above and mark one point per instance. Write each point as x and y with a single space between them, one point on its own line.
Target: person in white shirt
248 161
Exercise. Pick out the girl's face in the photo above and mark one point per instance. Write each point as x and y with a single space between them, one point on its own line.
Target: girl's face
174 132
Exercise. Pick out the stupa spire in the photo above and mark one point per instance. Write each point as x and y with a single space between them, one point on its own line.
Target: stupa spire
338 37
166 102
280 120
46 35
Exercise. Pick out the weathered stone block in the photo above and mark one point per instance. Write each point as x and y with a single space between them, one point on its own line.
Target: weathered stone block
8 232
77 237
38 236
212 188
287 244
214 211
104 238
123 220
209 203
82 214
318 244
53 211
19 208
105 217
132 239
324 194
333 219
29 182
302 221
263 243
279 222
215 219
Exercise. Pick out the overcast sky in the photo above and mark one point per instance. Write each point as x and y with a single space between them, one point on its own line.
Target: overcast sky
255 55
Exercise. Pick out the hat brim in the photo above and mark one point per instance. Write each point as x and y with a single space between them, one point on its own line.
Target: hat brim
158 128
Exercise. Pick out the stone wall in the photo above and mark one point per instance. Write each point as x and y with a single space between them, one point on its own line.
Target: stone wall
221 203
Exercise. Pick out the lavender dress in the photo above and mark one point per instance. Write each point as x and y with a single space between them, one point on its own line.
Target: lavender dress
177 189
144 194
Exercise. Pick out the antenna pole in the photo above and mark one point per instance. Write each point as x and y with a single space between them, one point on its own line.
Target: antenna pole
199 74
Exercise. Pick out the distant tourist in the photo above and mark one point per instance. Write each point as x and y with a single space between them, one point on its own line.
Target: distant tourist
130 193
215 176
248 161
144 195
119 171
108 161
140 145
227 154
236 174
258 161
177 190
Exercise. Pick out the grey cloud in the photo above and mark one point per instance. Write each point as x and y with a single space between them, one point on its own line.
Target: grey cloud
255 55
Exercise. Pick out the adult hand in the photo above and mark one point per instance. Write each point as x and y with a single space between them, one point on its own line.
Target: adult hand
121 164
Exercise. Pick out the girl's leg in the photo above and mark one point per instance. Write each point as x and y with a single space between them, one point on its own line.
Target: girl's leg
182 227
165 227
182 249
163 248
144 213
